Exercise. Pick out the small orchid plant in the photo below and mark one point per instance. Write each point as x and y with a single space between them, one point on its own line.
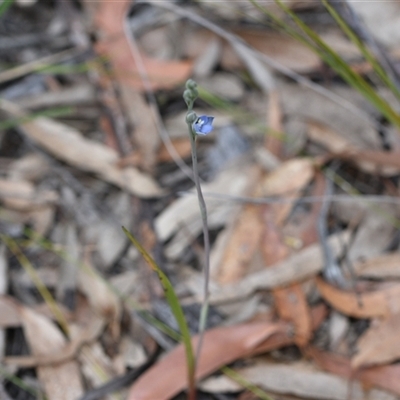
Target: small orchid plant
201 125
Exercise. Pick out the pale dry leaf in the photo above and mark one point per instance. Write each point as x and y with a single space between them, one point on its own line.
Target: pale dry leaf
385 377
9 311
327 137
101 297
67 144
97 367
184 212
323 110
145 133
62 381
306 263
381 19
42 219
243 242
374 234
80 335
23 196
288 178
30 167
284 49
379 344
384 266
303 380
110 238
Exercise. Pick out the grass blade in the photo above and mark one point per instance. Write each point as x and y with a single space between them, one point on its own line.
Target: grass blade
176 308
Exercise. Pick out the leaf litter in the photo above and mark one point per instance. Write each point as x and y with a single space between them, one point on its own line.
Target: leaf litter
75 177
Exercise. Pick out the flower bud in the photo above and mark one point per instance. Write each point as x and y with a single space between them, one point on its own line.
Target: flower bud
191 117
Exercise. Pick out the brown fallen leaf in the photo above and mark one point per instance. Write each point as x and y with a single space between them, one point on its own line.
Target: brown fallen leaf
9 312
380 267
291 304
242 244
380 303
116 47
66 352
385 377
67 144
220 347
22 195
288 178
61 381
379 344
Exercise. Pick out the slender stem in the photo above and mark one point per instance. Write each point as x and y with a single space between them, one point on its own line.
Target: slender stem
206 236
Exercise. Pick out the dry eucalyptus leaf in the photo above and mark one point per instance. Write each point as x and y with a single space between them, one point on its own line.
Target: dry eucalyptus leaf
384 266
61 381
379 303
67 144
221 346
22 195
379 344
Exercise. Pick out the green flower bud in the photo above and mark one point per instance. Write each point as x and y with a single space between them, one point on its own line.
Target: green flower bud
191 84
191 117
189 98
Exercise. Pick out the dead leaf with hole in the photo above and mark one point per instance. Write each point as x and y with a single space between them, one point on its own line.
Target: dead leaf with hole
379 303
61 381
68 145
379 344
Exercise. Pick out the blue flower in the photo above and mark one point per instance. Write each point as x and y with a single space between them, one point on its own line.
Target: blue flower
203 125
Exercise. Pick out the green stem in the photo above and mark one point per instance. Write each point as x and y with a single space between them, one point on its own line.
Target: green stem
206 236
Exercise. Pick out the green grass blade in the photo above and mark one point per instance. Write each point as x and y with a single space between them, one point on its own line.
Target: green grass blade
42 289
173 302
51 113
5 5
363 49
341 67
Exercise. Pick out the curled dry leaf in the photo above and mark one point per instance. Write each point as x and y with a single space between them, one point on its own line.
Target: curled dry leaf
380 303
67 144
379 344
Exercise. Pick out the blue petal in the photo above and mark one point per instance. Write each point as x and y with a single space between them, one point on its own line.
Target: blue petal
203 125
